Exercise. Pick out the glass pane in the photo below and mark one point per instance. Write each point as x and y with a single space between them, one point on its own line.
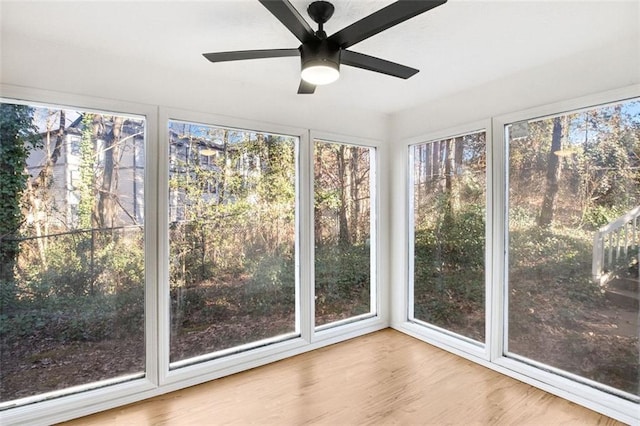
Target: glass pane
449 184
573 304
72 248
232 237
344 181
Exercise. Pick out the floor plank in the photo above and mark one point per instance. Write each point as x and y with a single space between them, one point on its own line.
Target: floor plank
381 378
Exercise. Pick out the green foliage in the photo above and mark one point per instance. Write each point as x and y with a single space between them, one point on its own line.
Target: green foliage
343 273
88 263
17 137
598 216
21 324
237 205
326 198
70 266
342 185
612 177
276 185
198 307
120 256
271 287
232 243
553 259
449 264
599 181
93 289
87 173
84 318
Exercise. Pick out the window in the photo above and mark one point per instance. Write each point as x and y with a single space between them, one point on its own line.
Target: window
573 207
554 258
344 229
101 303
232 239
74 145
72 260
448 184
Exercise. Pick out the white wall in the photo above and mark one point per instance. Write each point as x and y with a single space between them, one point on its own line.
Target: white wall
604 68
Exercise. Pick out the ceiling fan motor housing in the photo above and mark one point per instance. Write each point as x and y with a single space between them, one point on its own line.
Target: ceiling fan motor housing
321 53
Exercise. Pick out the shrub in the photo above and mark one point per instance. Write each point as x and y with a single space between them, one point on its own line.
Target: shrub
449 265
342 271
598 216
272 284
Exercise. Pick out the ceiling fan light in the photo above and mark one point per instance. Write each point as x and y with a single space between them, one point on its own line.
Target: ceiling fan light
321 73
320 62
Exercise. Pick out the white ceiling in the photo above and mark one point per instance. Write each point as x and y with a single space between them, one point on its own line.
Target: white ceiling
457 46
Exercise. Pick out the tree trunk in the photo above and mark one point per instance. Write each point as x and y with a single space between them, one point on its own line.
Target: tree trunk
317 210
343 226
435 163
223 176
97 127
448 166
355 194
107 199
455 168
39 197
553 176
459 151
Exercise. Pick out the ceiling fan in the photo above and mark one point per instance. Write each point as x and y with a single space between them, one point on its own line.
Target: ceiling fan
322 55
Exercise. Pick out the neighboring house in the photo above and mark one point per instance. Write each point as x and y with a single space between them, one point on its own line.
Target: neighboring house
196 154
64 193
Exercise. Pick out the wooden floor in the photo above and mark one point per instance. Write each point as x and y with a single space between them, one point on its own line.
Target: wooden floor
382 378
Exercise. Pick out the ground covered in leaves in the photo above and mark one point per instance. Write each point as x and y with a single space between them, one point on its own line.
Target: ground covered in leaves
218 316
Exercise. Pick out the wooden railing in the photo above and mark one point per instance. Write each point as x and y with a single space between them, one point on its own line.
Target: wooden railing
614 246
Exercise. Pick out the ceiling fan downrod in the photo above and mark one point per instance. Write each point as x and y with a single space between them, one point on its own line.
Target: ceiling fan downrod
320 12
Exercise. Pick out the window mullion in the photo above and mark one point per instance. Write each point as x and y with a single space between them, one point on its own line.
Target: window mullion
496 172
305 238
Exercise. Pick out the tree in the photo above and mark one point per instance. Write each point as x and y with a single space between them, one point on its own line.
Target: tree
343 177
87 176
107 199
611 154
553 175
17 136
37 195
342 199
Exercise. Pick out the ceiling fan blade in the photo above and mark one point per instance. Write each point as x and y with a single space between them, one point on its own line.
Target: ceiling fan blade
250 54
381 20
289 16
306 88
371 63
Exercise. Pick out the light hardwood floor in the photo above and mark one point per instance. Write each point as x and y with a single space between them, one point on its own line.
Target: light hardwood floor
381 378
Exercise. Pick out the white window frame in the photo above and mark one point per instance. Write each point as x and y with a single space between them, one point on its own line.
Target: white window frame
158 378
213 366
56 406
216 364
377 315
432 331
565 385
